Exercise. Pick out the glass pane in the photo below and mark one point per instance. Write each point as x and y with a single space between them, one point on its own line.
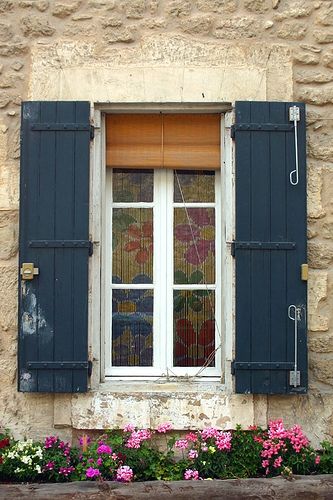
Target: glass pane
132 242
193 327
132 327
194 245
130 185
194 186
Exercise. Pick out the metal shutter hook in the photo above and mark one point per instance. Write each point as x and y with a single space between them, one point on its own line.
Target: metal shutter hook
294 115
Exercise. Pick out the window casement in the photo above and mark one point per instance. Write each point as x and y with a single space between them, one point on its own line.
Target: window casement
263 291
162 262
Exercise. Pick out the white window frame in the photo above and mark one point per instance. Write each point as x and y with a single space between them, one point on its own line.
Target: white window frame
97 339
163 286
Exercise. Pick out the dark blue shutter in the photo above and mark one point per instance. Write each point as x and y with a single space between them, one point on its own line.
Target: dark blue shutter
54 236
270 249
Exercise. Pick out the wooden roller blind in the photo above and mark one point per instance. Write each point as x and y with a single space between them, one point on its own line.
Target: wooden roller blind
182 141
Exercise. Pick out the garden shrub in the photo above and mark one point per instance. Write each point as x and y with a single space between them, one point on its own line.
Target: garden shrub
132 454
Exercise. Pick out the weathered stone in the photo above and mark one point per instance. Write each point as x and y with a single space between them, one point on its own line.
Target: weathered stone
219 6
268 25
42 5
100 4
306 76
153 24
135 9
6 6
4 100
258 6
82 17
323 36
74 29
153 7
8 234
275 3
6 32
34 26
317 294
311 48
237 27
315 208
292 30
6 82
325 17
62 10
311 233
321 344
314 95
320 255
179 8
199 24
114 35
322 368
295 9
16 65
320 147
306 58
112 21
8 295
328 59
14 48
26 4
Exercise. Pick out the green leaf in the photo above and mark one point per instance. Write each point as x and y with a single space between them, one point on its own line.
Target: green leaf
201 293
121 221
195 304
180 277
178 303
196 277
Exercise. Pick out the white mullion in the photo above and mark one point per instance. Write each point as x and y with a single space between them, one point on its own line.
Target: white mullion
158 259
219 337
194 205
108 270
169 282
132 286
132 204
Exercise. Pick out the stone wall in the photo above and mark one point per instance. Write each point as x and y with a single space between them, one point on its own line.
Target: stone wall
251 49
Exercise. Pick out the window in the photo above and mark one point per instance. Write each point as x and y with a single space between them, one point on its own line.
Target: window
162 261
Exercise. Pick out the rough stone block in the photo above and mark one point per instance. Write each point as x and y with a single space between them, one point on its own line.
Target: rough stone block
6 32
315 208
306 76
237 27
320 255
325 16
318 282
122 34
292 30
306 58
178 8
135 9
8 234
294 9
258 6
320 146
218 6
320 344
33 26
63 10
8 296
323 36
6 6
199 24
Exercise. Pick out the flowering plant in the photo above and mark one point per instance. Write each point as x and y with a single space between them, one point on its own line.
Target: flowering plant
23 461
59 460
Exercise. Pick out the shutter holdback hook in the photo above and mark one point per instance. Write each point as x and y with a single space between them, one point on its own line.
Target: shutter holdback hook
294 116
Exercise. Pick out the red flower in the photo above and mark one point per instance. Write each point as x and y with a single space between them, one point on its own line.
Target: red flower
4 442
139 242
193 348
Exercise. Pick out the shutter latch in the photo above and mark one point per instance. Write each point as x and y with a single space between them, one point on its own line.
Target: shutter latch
28 271
304 272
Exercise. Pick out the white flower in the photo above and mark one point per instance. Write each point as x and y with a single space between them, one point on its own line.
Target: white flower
38 469
39 453
26 459
18 470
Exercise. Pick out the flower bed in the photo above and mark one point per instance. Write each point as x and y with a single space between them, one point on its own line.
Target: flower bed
131 454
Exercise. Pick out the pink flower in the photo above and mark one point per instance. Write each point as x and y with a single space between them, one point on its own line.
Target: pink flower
182 444
191 437
198 234
209 433
84 440
65 471
193 454
104 448
49 466
191 474
317 460
50 441
137 437
265 463
163 428
99 461
223 441
129 428
91 473
124 474
277 462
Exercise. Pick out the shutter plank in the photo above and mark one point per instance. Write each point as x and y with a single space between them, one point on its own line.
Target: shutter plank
260 261
278 188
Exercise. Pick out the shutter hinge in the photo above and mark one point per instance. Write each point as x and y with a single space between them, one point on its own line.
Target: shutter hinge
295 378
92 132
90 248
90 367
232 132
